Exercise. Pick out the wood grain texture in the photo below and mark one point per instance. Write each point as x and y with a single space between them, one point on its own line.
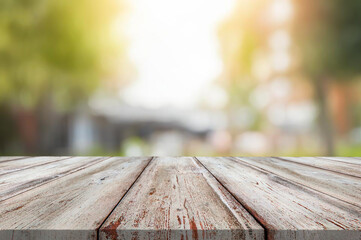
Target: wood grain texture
94 197
176 198
328 164
340 186
21 176
73 206
288 210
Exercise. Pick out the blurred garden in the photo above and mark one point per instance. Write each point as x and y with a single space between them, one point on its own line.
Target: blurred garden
191 77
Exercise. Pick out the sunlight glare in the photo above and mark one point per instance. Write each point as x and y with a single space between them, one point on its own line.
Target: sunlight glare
173 45
281 10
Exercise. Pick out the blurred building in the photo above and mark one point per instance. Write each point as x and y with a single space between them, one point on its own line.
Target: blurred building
108 124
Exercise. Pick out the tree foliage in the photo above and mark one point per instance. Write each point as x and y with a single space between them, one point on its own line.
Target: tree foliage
58 48
241 35
328 36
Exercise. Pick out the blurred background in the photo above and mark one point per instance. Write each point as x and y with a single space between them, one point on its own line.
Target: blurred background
184 77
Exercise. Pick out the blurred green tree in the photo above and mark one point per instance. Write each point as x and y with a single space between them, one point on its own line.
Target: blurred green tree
242 36
327 35
53 55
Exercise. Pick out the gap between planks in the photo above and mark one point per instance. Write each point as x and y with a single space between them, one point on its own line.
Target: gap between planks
264 226
116 205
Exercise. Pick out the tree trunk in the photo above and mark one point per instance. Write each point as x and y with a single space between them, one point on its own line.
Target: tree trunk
340 108
27 127
48 123
324 117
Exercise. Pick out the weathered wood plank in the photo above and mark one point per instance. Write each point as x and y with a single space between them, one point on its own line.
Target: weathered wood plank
337 185
351 160
331 165
5 158
176 198
71 207
19 164
288 210
28 176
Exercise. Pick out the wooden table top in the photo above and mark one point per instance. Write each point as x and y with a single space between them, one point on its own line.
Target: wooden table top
180 198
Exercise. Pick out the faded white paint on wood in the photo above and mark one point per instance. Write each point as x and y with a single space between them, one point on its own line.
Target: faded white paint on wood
30 175
176 198
288 210
328 164
71 207
340 186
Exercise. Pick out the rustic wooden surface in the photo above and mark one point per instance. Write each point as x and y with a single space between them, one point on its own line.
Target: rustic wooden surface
335 165
337 185
180 198
36 172
287 209
74 205
176 198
